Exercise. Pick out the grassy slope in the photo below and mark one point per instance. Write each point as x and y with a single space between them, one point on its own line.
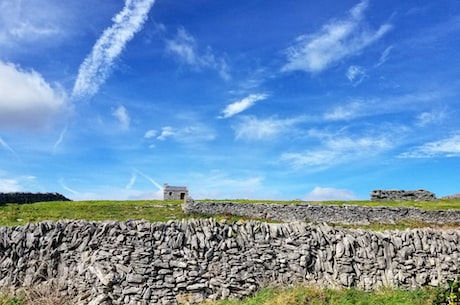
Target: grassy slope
159 210
151 210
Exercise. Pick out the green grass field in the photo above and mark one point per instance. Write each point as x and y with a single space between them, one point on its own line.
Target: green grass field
314 296
151 210
160 211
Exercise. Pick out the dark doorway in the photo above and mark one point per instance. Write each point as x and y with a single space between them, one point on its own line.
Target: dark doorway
182 196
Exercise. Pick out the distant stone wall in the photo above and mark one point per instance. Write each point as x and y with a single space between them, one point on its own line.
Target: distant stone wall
401 195
319 213
453 196
30 197
138 262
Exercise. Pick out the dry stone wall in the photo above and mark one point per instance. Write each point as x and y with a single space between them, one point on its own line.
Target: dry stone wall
318 213
30 197
137 262
402 195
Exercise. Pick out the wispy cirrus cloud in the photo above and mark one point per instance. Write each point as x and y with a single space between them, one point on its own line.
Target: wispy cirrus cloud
242 105
384 57
98 65
184 48
445 148
430 117
356 74
27 100
347 111
25 22
122 115
335 41
337 148
253 128
189 135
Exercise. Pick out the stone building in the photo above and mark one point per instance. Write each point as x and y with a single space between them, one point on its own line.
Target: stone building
174 192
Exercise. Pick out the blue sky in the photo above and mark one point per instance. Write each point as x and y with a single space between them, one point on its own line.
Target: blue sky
311 100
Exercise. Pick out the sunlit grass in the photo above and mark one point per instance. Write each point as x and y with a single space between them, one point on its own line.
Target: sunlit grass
160 211
151 210
316 296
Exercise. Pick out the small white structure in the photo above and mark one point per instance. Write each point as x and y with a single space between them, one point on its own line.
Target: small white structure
174 192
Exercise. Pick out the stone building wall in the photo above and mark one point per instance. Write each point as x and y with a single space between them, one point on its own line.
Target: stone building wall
319 213
138 262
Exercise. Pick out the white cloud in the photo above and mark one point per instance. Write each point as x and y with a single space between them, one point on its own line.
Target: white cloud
26 99
31 21
185 49
252 128
9 185
336 149
190 135
345 112
97 66
150 134
121 114
166 132
327 193
336 41
445 148
356 74
242 105
427 118
16 184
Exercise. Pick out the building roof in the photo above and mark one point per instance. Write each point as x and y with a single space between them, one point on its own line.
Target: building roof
175 188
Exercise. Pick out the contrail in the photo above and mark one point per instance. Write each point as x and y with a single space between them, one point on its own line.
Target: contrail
97 66
7 147
150 179
59 140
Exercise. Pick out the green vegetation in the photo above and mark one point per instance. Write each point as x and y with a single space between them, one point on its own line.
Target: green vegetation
301 295
450 296
159 210
316 296
151 210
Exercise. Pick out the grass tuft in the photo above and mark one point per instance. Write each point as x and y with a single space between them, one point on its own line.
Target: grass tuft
309 295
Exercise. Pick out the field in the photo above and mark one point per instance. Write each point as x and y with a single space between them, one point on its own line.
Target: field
160 211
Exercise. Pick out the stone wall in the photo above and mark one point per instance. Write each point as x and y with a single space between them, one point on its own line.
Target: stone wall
401 195
138 262
30 197
318 213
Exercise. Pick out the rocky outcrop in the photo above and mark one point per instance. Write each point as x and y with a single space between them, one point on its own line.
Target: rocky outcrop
137 262
319 213
30 197
401 195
